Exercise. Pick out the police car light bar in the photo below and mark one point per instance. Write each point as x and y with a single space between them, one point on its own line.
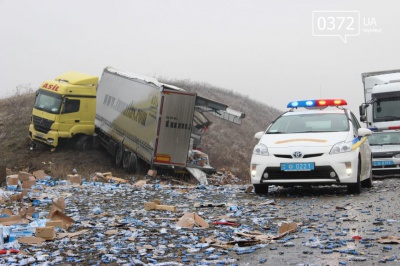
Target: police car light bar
383 128
317 103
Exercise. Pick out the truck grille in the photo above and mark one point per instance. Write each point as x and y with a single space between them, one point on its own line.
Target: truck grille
41 124
320 172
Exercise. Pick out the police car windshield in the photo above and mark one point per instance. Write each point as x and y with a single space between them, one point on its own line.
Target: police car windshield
309 123
384 138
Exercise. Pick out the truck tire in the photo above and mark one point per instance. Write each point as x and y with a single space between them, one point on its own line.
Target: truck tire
129 162
119 156
83 143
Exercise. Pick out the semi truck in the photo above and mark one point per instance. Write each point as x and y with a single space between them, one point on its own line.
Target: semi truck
381 107
133 117
381 113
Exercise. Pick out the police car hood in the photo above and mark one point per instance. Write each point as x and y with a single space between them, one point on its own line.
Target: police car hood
318 139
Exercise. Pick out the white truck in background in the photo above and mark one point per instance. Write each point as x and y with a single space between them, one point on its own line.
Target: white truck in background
381 113
381 107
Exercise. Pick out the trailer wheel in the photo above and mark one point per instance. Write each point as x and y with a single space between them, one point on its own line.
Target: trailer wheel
119 156
129 162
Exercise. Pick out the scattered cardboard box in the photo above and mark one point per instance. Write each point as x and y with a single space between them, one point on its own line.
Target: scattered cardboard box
71 235
24 176
75 179
192 219
13 219
30 240
47 232
152 173
55 223
58 215
39 174
140 183
27 184
12 180
108 177
153 206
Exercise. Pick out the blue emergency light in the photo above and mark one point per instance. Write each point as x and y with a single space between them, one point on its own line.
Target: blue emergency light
317 103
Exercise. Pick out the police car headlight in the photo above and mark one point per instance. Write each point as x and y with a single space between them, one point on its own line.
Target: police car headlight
397 156
341 147
260 149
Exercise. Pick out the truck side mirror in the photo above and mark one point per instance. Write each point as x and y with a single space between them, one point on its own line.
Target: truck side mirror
362 109
363 117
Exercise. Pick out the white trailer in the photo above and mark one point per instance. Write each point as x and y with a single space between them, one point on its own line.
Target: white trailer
139 117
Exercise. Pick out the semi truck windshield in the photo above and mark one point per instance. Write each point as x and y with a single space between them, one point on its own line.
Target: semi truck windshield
387 109
48 102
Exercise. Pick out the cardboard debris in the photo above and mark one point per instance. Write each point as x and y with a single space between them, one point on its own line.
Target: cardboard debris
7 212
153 206
286 228
47 232
75 179
55 223
152 173
108 177
191 219
27 184
58 215
140 183
71 235
30 240
13 219
389 240
12 180
39 174
111 232
24 176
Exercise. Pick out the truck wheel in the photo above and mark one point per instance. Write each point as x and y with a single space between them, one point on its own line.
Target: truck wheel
83 143
119 156
129 162
261 188
356 187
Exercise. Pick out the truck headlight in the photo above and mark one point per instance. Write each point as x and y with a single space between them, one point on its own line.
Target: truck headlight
260 149
341 147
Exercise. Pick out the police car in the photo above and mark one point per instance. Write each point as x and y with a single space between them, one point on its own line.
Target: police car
385 146
316 142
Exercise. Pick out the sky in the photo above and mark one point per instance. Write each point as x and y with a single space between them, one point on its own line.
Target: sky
273 51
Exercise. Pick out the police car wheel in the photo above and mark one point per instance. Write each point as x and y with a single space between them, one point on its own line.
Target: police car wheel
261 188
368 182
356 187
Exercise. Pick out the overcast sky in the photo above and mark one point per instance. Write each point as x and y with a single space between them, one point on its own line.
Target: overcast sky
271 51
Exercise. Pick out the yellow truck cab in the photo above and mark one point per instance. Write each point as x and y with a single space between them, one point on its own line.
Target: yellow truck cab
64 109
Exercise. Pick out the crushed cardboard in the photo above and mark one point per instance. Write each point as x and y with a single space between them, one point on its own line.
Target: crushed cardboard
110 178
192 219
30 240
58 215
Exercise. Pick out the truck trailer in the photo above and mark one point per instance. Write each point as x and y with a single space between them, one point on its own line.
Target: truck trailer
133 117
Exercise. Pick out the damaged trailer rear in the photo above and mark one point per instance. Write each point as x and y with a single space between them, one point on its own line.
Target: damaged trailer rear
139 117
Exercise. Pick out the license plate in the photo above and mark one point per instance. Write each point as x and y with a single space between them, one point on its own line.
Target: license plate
297 166
380 163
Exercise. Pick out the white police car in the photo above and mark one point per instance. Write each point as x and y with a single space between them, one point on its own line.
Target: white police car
385 146
320 144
